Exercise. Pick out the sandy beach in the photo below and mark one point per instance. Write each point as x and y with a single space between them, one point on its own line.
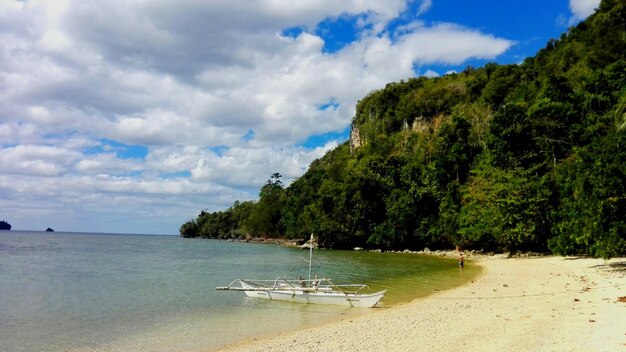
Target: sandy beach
517 304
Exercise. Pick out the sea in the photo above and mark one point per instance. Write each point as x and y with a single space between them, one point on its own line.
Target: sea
124 292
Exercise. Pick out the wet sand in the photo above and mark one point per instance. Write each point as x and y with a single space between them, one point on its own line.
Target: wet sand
517 304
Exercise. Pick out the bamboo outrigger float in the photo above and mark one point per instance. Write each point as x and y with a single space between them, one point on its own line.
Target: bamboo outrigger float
314 291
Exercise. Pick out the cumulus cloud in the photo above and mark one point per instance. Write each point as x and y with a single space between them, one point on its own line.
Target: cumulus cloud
581 9
431 74
36 160
229 169
424 6
215 91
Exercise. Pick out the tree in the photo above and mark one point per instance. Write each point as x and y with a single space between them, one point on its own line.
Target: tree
593 202
265 217
504 209
510 141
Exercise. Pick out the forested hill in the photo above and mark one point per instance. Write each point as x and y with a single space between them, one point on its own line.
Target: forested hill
503 157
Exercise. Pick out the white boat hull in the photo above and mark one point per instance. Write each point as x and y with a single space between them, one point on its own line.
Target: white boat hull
318 297
310 291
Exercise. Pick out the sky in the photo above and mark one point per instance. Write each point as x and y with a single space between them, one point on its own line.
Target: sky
132 116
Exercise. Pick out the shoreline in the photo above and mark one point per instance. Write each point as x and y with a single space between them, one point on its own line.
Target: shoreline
538 303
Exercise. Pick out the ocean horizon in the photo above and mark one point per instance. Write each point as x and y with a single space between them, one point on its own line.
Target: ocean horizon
71 291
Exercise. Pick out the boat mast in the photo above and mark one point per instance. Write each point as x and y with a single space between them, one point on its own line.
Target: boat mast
310 256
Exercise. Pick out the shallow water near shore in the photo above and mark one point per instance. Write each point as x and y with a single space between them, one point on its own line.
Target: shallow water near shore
102 292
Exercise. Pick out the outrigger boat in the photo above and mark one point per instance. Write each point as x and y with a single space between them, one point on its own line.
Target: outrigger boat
314 291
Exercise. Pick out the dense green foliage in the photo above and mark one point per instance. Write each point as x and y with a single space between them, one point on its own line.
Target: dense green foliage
504 157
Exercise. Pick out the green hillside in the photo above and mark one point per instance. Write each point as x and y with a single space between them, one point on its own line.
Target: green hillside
503 157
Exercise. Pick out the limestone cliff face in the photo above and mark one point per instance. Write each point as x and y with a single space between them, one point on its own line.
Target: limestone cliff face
356 140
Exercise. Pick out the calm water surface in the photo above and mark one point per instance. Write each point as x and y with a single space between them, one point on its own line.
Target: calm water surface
100 292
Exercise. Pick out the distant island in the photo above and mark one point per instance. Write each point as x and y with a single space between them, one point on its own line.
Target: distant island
49 230
4 225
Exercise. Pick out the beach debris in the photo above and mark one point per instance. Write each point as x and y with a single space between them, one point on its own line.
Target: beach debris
621 299
505 285
576 300
592 321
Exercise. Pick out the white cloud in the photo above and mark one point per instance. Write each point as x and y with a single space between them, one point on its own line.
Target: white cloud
424 6
185 79
36 160
229 170
581 9
431 74
106 164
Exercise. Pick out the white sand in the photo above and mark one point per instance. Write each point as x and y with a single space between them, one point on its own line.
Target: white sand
522 304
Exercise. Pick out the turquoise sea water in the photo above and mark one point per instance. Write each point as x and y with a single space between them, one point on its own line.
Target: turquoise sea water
100 292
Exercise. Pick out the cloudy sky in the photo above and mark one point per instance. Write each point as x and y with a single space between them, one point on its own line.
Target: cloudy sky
131 116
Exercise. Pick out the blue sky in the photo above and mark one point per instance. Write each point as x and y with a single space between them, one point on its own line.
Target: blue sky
132 116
